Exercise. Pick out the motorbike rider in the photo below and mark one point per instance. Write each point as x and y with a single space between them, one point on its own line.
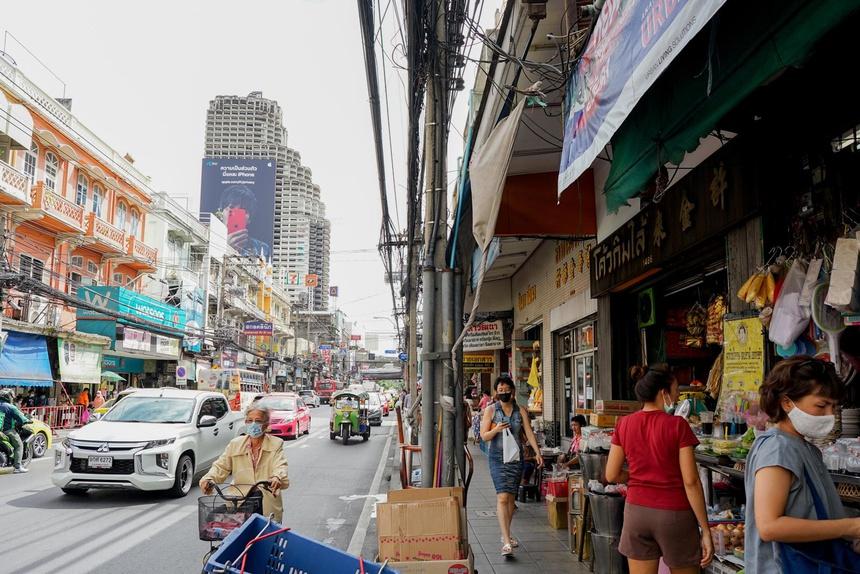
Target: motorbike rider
10 419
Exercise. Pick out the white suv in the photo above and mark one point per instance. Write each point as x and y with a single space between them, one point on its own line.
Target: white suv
154 439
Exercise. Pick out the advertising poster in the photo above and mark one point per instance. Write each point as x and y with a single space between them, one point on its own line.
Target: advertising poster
192 304
241 192
743 355
79 363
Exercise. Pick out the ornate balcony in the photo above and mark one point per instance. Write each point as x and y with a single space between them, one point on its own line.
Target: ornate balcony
13 186
108 239
58 213
143 256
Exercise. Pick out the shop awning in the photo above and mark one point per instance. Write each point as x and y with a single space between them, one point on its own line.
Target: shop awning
24 361
748 44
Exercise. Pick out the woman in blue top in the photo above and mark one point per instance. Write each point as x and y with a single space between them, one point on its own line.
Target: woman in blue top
799 395
504 414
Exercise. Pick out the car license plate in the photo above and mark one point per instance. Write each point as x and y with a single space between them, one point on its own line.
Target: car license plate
100 462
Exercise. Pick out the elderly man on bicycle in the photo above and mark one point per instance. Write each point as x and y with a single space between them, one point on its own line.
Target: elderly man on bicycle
251 459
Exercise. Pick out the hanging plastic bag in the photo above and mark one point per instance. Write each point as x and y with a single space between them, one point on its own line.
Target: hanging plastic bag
789 318
510 447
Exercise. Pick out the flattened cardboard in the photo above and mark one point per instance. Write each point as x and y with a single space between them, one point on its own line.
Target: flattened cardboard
466 566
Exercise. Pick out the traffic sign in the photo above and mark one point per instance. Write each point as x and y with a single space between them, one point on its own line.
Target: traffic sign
390 351
325 347
403 357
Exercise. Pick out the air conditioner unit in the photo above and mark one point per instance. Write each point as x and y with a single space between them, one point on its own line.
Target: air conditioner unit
37 311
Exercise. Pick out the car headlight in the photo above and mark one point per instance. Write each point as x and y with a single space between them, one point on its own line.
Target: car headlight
158 443
67 444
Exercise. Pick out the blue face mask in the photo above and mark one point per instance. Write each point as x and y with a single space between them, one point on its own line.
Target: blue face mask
254 430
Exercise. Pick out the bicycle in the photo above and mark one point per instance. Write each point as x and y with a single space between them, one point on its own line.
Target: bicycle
220 514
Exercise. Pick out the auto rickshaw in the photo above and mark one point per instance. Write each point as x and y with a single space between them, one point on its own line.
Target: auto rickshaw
349 416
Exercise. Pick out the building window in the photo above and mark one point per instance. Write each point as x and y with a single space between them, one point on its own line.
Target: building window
31 157
92 268
32 267
120 215
81 190
77 261
118 278
576 371
73 283
52 168
135 222
98 200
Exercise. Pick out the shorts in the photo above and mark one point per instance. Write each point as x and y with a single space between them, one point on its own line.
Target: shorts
650 533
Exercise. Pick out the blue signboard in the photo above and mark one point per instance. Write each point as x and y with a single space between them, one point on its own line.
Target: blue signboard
403 357
325 347
632 43
241 192
129 303
390 351
122 364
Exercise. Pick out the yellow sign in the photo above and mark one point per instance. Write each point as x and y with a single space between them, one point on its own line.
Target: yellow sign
743 358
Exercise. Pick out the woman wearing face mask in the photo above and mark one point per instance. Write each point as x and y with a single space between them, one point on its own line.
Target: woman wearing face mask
504 414
251 459
665 513
782 469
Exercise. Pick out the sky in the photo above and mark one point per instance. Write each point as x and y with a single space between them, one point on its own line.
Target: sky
142 81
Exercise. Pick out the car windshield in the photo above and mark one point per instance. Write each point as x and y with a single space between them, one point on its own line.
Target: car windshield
151 410
306 394
374 400
278 403
346 402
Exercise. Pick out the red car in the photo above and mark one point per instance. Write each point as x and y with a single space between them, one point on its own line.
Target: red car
290 416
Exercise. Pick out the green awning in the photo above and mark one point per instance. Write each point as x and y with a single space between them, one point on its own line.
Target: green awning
747 44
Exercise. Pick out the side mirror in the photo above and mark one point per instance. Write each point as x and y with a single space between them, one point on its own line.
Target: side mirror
95 416
207 421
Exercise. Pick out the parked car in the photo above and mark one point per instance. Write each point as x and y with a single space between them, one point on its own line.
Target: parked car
374 410
310 398
290 417
154 439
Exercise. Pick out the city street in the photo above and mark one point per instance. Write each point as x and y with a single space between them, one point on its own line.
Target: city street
109 532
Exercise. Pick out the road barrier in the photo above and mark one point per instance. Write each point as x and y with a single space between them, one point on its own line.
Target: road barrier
62 417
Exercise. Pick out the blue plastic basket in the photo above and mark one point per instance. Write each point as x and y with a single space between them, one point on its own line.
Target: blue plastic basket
283 553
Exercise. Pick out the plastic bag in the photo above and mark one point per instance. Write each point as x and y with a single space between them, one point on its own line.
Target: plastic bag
510 447
789 318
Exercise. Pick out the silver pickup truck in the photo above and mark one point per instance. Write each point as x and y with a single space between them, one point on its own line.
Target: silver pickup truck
154 439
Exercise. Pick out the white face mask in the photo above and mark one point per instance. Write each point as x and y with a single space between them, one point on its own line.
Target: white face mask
812 426
668 405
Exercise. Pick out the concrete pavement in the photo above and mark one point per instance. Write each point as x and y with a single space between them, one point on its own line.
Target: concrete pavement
332 490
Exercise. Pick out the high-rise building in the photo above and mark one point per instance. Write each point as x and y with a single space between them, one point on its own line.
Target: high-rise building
251 127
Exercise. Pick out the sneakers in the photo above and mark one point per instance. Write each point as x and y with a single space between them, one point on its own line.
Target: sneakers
20 470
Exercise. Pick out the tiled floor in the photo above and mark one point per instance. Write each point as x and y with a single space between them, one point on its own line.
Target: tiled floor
542 549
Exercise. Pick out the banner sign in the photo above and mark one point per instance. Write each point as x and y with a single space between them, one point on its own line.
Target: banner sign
743 355
355 337
486 336
257 329
137 340
632 43
241 192
79 363
193 301
130 303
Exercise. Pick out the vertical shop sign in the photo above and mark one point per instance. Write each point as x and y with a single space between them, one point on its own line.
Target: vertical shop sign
743 355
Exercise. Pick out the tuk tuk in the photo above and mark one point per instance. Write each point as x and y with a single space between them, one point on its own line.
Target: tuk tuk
349 416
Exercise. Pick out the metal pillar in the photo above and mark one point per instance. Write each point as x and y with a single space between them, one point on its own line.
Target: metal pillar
448 394
461 427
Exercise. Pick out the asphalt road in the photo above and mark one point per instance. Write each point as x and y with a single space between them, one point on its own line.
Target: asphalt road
331 495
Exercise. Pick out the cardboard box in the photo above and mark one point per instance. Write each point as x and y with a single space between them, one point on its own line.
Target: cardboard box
605 421
556 512
603 407
466 566
580 532
420 530
416 494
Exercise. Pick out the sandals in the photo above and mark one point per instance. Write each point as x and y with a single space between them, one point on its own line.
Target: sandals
514 542
507 550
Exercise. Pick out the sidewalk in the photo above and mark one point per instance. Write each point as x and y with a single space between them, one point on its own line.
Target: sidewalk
542 549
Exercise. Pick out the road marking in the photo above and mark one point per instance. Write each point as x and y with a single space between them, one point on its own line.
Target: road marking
356 543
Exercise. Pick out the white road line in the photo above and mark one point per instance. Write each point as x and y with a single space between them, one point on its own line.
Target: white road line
356 543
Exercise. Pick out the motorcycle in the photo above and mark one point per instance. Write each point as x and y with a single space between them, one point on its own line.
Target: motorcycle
6 450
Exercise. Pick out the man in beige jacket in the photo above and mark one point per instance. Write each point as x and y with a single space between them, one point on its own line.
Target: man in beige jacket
251 459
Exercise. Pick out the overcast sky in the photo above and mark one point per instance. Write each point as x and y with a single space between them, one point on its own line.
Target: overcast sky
142 79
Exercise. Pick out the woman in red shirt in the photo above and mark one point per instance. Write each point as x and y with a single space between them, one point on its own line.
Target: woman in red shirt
665 514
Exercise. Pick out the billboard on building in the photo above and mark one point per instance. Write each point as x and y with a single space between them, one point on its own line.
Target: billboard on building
241 192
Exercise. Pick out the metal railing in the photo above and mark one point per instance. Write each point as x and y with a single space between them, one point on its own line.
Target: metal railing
62 417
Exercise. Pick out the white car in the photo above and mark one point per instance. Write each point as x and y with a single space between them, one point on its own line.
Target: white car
154 439
310 398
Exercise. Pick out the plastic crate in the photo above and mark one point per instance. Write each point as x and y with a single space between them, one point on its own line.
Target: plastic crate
719 567
282 553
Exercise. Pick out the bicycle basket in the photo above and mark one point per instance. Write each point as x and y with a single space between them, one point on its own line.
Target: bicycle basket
217 517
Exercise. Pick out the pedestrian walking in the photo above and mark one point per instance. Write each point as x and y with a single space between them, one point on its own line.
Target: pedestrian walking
253 458
507 415
486 399
10 419
665 514
791 497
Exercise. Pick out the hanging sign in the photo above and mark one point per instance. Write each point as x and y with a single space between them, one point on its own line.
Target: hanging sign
743 355
487 336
